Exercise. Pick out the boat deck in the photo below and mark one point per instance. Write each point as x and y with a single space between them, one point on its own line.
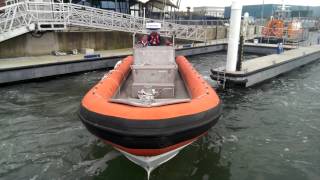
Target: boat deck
124 96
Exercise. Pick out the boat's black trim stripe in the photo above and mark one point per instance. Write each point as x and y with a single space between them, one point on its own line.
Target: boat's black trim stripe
152 134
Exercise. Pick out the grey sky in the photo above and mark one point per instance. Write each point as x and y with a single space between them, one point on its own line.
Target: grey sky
193 3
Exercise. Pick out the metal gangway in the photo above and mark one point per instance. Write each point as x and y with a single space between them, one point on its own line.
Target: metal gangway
23 16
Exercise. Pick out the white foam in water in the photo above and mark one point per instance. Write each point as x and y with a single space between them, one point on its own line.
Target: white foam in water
100 144
285 103
302 162
91 141
96 166
34 177
232 138
313 127
205 177
194 171
305 139
299 133
211 145
101 164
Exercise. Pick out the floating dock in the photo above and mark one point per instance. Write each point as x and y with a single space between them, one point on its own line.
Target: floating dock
263 68
264 49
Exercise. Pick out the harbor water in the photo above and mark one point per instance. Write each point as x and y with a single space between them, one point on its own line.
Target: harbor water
270 131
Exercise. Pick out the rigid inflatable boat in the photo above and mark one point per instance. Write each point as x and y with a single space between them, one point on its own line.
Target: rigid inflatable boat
150 106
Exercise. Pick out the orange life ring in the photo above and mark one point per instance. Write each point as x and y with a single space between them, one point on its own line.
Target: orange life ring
274 27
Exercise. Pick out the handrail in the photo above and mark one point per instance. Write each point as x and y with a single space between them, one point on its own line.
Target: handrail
41 13
10 6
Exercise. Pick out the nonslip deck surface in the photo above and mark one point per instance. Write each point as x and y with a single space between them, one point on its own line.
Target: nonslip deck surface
124 94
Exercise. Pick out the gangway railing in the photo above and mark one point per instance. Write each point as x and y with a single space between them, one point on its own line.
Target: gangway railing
212 23
42 16
14 21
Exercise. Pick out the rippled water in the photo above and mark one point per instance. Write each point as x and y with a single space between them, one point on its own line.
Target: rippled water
267 132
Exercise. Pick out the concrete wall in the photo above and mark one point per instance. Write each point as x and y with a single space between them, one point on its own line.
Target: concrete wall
221 32
28 45
218 32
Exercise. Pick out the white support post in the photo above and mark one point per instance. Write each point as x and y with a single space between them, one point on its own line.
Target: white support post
283 8
234 35
13 17
164 11
144 16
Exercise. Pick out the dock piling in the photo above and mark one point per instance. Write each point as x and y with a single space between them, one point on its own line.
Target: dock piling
233 42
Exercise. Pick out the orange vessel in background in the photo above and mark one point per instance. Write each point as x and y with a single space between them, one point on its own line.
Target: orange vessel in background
295 29
274 28
282 26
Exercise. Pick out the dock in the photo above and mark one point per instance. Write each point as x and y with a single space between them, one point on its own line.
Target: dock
28 68
264 49
263 68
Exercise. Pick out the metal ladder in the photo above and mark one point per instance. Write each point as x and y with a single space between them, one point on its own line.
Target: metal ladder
221 79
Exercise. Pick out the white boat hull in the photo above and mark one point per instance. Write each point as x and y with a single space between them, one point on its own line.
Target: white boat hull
149 163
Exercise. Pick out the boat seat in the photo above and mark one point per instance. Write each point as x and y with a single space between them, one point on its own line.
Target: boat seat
154 70
154 55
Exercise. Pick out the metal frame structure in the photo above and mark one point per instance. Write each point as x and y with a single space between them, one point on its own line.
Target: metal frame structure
25 16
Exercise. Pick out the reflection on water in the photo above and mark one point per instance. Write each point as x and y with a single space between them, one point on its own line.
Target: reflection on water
267 132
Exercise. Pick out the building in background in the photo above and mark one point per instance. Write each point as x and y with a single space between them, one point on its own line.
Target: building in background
316 11
211 11
268 10
158 9
122 6
152 8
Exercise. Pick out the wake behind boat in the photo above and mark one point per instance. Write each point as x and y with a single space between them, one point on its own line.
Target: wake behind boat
151 106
